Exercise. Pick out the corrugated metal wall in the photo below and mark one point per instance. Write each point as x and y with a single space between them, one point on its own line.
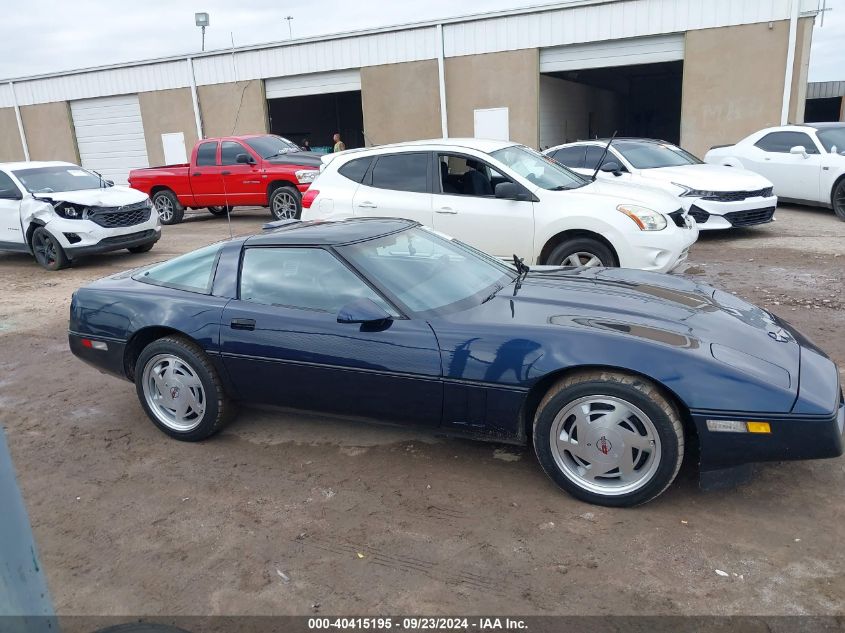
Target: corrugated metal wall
575 21
825 89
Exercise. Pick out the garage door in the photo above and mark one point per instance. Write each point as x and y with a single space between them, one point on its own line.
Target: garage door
110 135
313 84
629 52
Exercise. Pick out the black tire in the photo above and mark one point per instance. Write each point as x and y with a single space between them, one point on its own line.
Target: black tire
219 210
219 409
167 205
48 252
656 475
579 247
285 203
837 198
143 248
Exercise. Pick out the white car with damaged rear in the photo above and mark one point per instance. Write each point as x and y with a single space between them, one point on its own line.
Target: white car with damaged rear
717 197
505 199
59 211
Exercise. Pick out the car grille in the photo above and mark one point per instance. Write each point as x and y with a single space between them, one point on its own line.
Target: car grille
123 239
116 217
736 196
751 217
699 215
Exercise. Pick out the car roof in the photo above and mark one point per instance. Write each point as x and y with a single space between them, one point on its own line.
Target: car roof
827 125
322 233
34 164
479 144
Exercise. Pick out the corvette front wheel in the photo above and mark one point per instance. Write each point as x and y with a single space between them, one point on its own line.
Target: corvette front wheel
609 438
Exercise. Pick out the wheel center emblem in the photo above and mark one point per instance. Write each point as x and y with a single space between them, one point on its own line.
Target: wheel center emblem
604 445
174 392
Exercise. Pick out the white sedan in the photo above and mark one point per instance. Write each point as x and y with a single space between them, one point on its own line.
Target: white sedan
717 197
806 163
505 199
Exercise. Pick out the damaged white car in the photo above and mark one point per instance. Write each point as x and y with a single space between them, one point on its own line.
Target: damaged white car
59 211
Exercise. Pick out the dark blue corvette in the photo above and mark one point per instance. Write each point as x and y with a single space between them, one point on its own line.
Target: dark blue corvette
609 373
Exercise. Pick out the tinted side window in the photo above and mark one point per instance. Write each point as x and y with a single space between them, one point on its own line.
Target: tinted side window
402 172
229 152
207 154
572 157
782 142
309 278
8 189
355 169
192 271
591 160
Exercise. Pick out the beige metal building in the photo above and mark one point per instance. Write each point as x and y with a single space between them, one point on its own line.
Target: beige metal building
698 72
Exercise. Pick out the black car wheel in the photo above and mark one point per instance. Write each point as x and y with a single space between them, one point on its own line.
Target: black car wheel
837 199
581 252
180 390
143 248
219 210
609 438
48 252
286 203
170 211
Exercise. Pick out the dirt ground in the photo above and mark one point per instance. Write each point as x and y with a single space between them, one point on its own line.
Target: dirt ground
298 514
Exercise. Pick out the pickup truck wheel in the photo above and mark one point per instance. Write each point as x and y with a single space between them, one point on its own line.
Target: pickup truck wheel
168 207
48 252
285 203
219 210
582 252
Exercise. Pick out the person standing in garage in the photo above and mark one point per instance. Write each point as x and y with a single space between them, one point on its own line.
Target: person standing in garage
339 145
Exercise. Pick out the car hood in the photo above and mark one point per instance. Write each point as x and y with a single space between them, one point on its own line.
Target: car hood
620 193
109 197
709 177
306 159
657 309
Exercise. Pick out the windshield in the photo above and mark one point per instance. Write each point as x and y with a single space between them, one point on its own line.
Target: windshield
59 178
654 155
538 169
428 273
270 145
833 137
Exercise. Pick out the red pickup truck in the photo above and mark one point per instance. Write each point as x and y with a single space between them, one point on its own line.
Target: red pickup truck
256 170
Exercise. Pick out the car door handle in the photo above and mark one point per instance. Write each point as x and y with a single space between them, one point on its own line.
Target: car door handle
225 173
197 173
243 324
447 210
367 205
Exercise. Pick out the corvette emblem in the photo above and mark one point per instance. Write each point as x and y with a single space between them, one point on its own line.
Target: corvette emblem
174 392
780 335
604 445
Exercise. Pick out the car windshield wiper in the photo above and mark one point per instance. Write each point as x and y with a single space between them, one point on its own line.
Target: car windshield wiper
562 188
493 294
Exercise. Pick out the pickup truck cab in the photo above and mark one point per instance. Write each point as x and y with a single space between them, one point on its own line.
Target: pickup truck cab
256 170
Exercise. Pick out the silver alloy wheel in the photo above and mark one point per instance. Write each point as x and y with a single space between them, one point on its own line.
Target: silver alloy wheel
582 259
164 208
284 206
173 392
605 445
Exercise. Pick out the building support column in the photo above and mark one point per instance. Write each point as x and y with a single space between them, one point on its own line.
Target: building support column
21 131
790 60
441 75
194 98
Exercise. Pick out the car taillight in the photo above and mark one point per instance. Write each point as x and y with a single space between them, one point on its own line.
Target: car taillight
308 198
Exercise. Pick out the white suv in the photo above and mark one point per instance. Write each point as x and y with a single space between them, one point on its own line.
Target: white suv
505 199
60 211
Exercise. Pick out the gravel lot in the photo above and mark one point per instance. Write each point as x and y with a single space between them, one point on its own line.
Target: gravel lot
283 512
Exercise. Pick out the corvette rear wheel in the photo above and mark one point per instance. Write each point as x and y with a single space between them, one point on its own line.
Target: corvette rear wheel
180 390
609 438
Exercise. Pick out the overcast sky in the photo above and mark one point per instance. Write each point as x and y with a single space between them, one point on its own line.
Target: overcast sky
42 36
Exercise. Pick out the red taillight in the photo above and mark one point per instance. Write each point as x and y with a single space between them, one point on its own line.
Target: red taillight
86 342
308 197
100 345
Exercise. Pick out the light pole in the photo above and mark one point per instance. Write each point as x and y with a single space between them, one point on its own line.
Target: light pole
290 29
201 20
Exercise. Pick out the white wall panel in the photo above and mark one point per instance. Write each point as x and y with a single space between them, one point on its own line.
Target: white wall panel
825 89
313 84
6 100
627 52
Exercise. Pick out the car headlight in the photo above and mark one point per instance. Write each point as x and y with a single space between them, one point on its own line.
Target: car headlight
70 211
689 192
646 219
307 175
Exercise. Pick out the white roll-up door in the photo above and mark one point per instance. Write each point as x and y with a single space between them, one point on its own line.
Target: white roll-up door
627 52
110 135
313 84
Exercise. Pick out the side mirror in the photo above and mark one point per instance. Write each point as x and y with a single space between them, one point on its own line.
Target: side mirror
612 167
510 191
109 183
244 159
799 149
363 311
